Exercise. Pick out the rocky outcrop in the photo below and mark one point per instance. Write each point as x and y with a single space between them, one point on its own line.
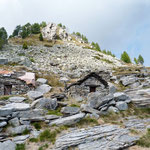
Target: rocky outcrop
95 138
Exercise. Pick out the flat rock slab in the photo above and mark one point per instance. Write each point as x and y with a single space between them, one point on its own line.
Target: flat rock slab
102 137
69 111
68 120
44 88
42 80
20 139
17 99
33 95
7 145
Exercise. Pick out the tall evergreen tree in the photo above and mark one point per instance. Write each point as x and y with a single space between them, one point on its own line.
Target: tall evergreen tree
3 37
125 57
140 60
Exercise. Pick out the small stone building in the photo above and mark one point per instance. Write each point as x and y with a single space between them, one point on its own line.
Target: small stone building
90 83
14 83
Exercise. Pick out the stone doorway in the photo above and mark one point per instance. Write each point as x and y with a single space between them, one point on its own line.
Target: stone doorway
7 89
92 89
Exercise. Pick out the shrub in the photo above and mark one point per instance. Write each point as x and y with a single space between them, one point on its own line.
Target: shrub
25 46
125 57
16 31
3 37
60 25
43 24
136 61
41 37
37 125
26 131
35 28
45 146
78 34
33 140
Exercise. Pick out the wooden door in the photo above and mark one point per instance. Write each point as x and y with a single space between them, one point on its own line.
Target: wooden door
92 89
7 89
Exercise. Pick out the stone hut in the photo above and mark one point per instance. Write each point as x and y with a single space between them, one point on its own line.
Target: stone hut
15 83
93 82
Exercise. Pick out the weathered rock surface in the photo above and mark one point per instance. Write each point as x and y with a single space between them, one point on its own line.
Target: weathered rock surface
14 122
50 104
44 88
120 96
42 80
122 105
33 95
7 145
69 111
68 120
128 80
20 139
17 99
96 138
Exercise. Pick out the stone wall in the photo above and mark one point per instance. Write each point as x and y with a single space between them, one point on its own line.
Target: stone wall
18 86
84 89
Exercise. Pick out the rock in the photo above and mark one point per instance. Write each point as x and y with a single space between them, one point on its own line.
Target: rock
112 88
2 124
101 137
140 98
64 80
3 119
113 109
17 99
122 105
44 88
35 133
30 114
42 80
68 120
18 130
58 96
78 98
50 104
3 61
20 139
14 122
120 96
128 80
87 109
69 111
51 117
97 100
7 145
135 85
34 95
5 111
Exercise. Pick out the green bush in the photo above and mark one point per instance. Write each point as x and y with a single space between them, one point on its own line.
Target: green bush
37 125
140 60
43 24
25 46
3 37
60 24
35 140
125 57
16 31
35 28
136 61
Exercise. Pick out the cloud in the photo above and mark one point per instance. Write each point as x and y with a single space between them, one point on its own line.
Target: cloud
117 25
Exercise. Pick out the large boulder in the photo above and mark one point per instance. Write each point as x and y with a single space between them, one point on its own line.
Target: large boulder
122 105
69 111
44 88
7 145
34 95
68 120
120 96
128 80
97 100
50 104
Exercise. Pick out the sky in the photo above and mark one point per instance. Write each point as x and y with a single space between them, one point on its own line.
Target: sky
117 25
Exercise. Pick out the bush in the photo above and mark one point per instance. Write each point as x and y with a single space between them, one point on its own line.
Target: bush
16 31
25 46
35 28
136 61
125 57
78 34
43 24
37 125
3 37
60 25
41 37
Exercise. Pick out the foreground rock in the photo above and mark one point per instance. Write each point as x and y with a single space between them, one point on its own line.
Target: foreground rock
102 137
17 99
69 111
44 88
33 95
7 145
68 120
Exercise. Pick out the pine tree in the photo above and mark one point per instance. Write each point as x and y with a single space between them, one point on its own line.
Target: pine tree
97 47
140 60
35 28
125 57
136 61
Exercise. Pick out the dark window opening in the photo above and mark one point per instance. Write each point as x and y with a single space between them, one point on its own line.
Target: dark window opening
7 89
92 89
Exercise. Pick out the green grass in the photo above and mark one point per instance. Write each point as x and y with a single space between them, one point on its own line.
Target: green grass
35 140
4 98
20 147
31 59
37 125
26 131
74 105
55 112
144 141
45 146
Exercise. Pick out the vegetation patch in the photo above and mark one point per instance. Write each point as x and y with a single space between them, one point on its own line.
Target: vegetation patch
44 147
37 125
35 140
55 112
4 98
144 141
26 131
20 147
